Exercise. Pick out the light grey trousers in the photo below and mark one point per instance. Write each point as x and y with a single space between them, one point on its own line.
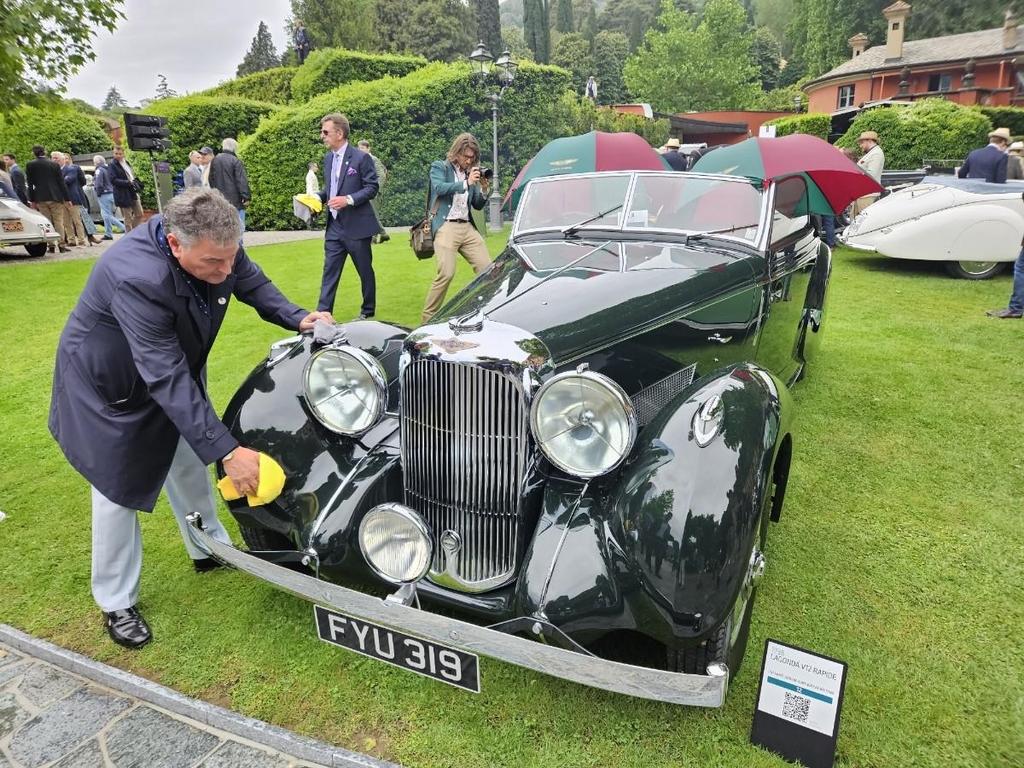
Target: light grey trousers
117 538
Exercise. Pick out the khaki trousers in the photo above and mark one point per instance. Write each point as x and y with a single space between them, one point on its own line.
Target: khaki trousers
59 216
132 215
76 228
861 203
452 239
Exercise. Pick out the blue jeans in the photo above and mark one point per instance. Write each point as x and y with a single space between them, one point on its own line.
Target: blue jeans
1017 297
109 219
830 230
241 218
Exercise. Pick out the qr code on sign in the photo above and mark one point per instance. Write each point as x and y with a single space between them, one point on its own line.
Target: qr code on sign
796 707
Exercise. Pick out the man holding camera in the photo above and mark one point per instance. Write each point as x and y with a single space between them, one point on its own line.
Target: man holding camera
456 183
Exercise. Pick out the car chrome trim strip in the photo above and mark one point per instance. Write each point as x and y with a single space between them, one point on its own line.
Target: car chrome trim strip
641 682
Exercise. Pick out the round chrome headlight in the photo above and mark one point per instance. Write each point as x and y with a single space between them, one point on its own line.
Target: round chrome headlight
346 388
583 422
396 543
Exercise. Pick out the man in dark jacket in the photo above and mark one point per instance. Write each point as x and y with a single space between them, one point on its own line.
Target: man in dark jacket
130 408
126 190
989 162
228 176
48 193
17 177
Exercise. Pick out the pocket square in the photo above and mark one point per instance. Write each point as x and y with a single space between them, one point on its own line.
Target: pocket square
350 172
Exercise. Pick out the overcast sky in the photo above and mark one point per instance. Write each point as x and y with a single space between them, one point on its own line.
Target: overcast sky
195 43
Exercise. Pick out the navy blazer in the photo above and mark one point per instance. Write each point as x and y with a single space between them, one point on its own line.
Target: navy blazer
129 375
988 163
359 179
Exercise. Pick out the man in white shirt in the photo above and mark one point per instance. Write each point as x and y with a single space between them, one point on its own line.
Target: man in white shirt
873 163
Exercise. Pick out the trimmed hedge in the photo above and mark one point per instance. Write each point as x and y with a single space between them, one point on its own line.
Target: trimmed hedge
816 124
1009 117
273 86
194 122
410 122
928 129
57 128
327 69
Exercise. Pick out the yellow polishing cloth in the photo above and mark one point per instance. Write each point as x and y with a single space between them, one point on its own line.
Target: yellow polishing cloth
310 201
271 484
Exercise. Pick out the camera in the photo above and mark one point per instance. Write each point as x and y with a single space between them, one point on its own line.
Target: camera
485 173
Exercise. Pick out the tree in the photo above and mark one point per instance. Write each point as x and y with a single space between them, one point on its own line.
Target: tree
588 26
113 100
438 30
516 43
261 54
46 42
512 14
563 17
536 28
164 91
687 67
610 52
573 53
488 18
766 56
331 24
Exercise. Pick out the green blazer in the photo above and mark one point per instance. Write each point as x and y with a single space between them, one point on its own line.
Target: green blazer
443 187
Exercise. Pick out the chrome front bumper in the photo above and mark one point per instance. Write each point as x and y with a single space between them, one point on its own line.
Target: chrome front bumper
642 682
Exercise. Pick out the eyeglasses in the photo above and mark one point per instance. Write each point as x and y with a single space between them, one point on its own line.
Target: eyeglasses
325 132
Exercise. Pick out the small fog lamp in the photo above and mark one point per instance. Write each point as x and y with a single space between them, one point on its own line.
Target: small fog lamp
396 543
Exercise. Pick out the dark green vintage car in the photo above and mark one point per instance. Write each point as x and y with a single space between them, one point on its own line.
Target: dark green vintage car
583 448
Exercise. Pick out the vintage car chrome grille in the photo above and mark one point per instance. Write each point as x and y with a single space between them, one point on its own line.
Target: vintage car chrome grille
464 455
649 401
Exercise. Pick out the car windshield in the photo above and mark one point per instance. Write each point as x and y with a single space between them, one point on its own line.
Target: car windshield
670 202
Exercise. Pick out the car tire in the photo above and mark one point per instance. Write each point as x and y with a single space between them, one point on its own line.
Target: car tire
260 539
36 249
975 270
695 660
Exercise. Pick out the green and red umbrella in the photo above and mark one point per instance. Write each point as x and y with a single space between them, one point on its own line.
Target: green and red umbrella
594 151
833 181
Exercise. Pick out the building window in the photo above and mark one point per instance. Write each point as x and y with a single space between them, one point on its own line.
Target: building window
895 26
941 82
845 96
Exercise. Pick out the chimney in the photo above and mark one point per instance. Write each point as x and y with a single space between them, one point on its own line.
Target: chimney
1009 30
858 43
896 16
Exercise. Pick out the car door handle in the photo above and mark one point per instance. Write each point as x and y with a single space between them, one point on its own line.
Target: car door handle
719 338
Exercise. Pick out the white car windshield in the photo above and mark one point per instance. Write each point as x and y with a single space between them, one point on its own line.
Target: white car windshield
670 202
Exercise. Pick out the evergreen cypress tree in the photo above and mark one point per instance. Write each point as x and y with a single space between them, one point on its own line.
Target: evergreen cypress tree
563 17
114 99
261 54
488 17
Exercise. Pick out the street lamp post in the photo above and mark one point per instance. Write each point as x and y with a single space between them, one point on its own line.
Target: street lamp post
796 103
505 67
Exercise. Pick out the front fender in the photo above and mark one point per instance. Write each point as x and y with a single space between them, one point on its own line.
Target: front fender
976 232
690 515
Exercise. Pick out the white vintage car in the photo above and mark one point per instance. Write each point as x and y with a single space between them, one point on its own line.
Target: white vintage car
973 226
20 225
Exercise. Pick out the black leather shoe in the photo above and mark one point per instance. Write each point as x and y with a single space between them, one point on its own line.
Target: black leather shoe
62 249
383 238
1004 314
204 564
127 628
107 237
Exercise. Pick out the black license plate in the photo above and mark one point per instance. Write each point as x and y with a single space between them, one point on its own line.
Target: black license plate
423 657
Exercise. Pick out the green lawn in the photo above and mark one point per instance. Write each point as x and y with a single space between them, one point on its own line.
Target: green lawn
899 550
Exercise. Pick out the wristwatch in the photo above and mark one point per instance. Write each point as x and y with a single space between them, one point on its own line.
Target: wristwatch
227 456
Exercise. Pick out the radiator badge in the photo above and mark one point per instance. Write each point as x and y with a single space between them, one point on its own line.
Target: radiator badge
453 345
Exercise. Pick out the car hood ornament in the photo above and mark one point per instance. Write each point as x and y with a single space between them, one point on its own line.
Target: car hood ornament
472 322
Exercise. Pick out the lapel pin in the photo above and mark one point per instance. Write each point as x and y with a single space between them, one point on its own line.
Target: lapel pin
222 300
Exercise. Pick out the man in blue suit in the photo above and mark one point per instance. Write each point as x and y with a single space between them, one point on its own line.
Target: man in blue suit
130 407
988 163
350 182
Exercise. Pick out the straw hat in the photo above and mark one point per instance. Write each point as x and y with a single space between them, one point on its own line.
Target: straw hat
1017 146
672 143
1001 133
868 136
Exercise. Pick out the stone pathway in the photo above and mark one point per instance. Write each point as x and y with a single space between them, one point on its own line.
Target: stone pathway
59 709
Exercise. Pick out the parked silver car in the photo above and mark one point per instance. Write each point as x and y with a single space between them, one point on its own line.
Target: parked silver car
20 225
